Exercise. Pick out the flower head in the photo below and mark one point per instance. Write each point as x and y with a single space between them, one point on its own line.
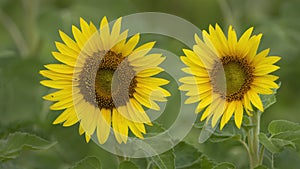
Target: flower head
227 75
104 81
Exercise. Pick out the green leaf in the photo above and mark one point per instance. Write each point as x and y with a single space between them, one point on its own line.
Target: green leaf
154 130
275 145
280 143
279 126
261 167
290 135
12 146
186 155
88 163
206 163
221 138
264 140
165 160
127 165
269 100
224 165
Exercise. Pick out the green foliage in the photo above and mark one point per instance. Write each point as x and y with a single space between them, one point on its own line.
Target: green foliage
165 160
186 155
283 134
15 143
224 165
88 163
283 129
127 165
269 100
265 141
261 167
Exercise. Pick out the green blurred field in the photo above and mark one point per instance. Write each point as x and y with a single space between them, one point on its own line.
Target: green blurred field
38 21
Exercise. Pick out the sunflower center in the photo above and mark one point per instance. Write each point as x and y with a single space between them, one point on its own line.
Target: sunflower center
236 73
107 80
235 77
104 80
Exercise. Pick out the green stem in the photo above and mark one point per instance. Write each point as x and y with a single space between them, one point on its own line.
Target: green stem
30 27
272 161
247 148
15 33
253 141
261 154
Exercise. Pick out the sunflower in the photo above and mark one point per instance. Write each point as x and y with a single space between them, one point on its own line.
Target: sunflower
104 81
227 75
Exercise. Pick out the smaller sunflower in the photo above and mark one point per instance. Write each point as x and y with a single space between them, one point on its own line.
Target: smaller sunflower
103 82
227 75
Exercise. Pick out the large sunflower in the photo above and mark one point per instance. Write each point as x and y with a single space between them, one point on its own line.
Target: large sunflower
104 82
227 75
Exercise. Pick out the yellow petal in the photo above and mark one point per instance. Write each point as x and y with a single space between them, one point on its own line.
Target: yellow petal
120 42
65 50
238 114
73 119
193 57
194 80
56 76
79 37
220 105
69 42
137 112
259 57
149 72
255 100
203 103
64 115
143 49
103 125
254 44
60 68
90 118
232 40
247 103
117 123
152 80
264 69
71 61
59 95
130 45
149 61
104 33
85 28
62 104
59 84
244 38
134 129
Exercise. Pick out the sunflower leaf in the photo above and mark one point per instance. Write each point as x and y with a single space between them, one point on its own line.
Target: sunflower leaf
281 126
165 160
127 165
280 143
269 100
224 165
206 163
261 167
221 138
265 141
15 143
88 162
186 155
289 135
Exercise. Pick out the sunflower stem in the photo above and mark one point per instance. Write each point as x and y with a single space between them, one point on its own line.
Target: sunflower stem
253 141
261 154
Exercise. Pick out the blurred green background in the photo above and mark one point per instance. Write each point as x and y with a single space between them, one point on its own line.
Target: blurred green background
28 29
